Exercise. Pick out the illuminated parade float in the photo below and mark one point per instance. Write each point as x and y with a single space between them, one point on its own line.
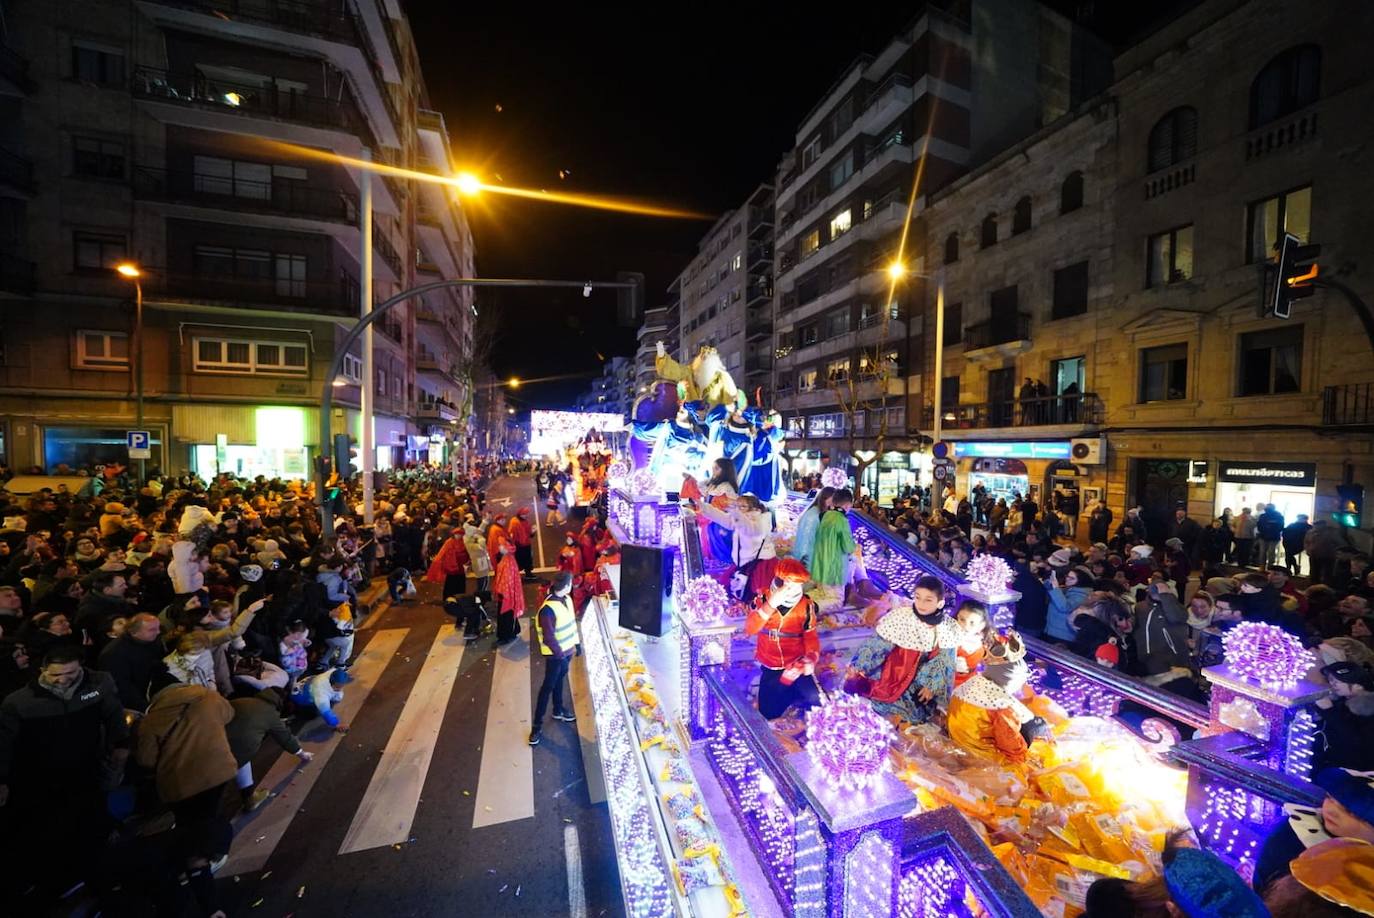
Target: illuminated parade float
857 803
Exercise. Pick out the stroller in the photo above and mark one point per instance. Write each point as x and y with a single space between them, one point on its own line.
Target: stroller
399 585
471 609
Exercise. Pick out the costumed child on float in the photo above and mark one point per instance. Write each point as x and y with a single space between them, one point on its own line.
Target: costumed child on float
986 715
788 647
721 491
837 561
764 478
907 668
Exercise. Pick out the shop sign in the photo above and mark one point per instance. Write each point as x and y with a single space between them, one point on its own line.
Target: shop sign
1259 471
1015 449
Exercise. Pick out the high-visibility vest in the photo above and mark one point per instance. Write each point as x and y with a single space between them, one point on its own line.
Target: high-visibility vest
564 625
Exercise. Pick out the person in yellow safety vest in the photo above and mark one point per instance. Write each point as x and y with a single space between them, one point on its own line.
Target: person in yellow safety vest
555 632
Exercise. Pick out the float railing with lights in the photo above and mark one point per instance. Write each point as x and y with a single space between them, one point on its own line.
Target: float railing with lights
831 848
644 518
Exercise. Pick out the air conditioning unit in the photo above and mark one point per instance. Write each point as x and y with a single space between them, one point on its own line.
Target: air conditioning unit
1089 450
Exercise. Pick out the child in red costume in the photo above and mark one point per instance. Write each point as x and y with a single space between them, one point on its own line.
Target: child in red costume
787 648
907 667
570 555
975 637
508 587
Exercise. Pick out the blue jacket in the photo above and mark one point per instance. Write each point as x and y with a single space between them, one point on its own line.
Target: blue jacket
1062 603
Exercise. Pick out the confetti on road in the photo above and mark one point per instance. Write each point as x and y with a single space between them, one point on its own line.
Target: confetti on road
503 888
300 893
257 903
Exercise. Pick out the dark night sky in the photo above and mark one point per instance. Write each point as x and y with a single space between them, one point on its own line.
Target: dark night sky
694 109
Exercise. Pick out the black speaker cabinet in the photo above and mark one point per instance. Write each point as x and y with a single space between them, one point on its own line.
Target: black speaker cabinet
646 586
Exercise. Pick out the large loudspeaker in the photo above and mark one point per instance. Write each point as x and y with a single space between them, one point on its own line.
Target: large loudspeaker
646 586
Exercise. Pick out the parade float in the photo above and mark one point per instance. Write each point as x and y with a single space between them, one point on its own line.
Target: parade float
842 812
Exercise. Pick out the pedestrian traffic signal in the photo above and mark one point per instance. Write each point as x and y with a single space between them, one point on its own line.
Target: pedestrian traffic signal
1297 271
1351 497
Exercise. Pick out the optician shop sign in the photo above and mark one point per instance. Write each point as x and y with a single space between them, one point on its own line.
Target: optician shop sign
1013 449
1258 471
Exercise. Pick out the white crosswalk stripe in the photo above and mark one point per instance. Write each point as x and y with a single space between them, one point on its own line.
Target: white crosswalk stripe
388 808
505 784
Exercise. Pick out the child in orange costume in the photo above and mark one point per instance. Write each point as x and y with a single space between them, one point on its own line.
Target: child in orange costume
985 716
788 647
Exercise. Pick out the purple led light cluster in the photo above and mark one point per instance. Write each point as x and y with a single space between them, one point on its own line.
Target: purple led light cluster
1301 741
849 740
1225 825
1266 654
1076 695
704 600
933 888
868 878
989 573
834 477
771 826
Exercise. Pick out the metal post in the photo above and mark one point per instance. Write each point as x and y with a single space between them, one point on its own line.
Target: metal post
138 372
937 486
369 449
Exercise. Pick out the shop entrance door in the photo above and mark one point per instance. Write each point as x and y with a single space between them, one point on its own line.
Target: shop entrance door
1001 396
1161 487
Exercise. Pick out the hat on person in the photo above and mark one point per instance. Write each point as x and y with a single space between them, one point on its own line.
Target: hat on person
140 538
1349 673
1109 652
1141 551
1202 885
1351 789
1061 557
1340 870
1174 543
251 573
523 512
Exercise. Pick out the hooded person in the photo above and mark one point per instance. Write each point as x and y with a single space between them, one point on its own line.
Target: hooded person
1202 885
907 667
270 554
509 589
1347 811
496 534
449 566
986 716
570 554
1340 871
522 537
193 517
787 648
112 520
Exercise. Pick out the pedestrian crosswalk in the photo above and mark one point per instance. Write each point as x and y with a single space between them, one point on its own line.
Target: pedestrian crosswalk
388 808
505 788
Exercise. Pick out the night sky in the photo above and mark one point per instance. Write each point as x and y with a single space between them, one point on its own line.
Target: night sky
693 110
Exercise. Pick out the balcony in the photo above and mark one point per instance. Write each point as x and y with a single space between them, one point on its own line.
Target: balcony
1001 337
337 297
292 199
1085 410
331 19
388 252
1351 405
1281 135
16 275
250 101
16 172
1166 180
436 410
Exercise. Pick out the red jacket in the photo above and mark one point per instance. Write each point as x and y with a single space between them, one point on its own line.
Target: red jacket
519 532
452 559
786 639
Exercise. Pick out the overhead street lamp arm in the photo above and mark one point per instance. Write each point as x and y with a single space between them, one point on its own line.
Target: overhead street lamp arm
356 332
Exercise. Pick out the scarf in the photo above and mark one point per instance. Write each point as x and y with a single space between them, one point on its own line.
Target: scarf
66 694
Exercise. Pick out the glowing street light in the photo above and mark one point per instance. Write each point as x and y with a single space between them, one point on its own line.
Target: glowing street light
131 272
896 270
514 382
469 184
128 269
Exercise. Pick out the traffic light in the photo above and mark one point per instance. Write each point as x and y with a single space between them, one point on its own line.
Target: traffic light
1297 270
630 300
1351 497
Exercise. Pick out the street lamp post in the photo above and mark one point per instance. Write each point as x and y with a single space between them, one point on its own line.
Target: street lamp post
130 271
361 328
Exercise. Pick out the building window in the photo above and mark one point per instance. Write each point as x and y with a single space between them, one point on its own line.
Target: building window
1164 373
1290 212
808 335
101 65
290 275
737 262
842 118
381 382
951 248
806 380
98 350
95 158
1071 193
1170 257
825 425
396 387
988 235
1290 81
949 392
837 370
1271 361
811 152
1070 291
796 426
268 358
1173 139
352 368
837 323
954 323
810 243
98 251
1021 217
233 178
225 262
840 223
841 170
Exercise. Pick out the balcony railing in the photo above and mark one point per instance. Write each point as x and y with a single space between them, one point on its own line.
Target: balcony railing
387 251
1279 136
997 331
1348 405
1084 409
336 296
330 18
436 409
16 275
277 197
250 100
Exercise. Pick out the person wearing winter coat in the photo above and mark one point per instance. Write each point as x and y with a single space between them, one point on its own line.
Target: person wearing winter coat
1099 523
1161 637
1243 527
193 516
112 520
751 551
1269 529
256 718
449 566
1103 619
187 568
1064 599
475 544
318 692
1323 543
511 591
1347 718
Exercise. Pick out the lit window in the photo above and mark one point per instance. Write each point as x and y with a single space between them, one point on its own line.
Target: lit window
1269 219
810 243
1170 257
840 223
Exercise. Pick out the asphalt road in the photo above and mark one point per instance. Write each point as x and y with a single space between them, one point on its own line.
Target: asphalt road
440 807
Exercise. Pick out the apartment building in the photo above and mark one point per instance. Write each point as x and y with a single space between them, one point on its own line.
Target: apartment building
171 135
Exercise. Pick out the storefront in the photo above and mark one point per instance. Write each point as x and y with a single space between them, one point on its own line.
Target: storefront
1291 487
87 447
803 462
275 448
1008 468
892 473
